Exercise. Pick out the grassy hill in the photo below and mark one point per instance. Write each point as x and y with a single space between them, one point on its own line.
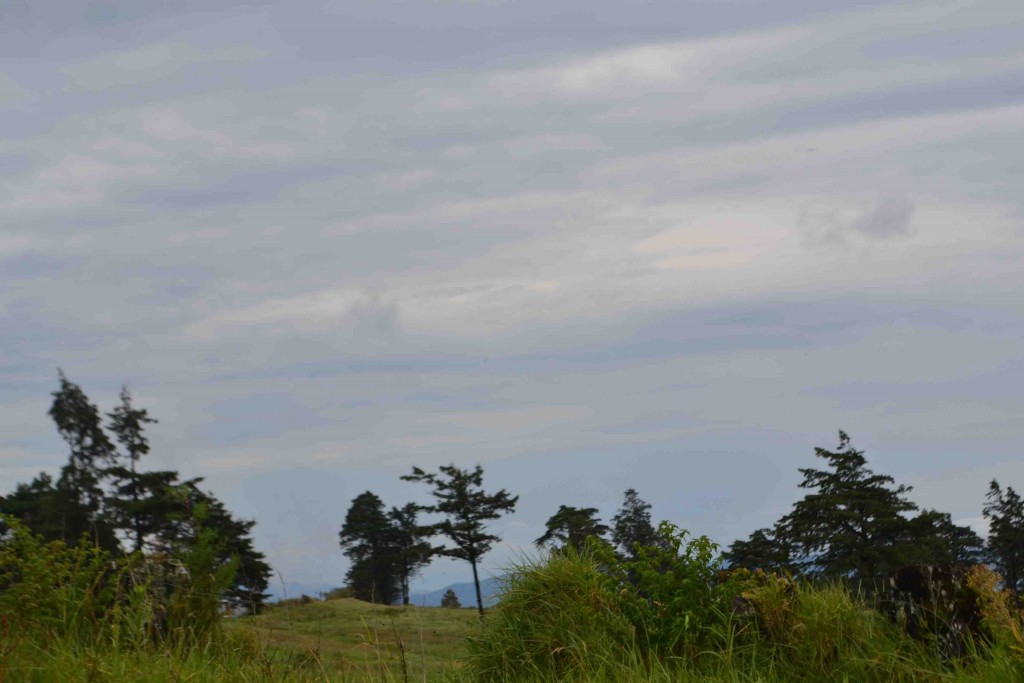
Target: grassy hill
363 641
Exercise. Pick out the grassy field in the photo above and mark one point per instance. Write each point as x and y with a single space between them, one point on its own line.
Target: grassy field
68 615
354 640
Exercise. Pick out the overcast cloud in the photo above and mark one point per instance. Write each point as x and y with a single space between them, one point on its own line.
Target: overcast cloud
590 245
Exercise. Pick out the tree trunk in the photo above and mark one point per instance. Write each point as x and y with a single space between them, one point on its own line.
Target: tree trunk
476 584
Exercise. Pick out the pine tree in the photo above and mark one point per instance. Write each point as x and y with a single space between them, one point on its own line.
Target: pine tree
251 576
1005 513
79 494
139 500
450 600
765 549
467 509
407 545
854 524
631 525
571 527
368 540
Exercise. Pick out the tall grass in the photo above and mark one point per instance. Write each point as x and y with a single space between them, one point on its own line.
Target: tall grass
79 614
588 617
76 615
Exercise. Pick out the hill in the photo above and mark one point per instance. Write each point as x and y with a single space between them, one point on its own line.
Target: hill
465 592
363 640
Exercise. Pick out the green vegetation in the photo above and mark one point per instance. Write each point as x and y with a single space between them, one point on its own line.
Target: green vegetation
355 640
667 614
102 498
110 573
854 525
466 508
578 617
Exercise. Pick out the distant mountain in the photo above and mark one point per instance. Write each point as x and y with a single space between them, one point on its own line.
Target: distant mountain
465 592
296 590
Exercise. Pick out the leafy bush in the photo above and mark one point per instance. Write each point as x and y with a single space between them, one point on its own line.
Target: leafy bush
668 591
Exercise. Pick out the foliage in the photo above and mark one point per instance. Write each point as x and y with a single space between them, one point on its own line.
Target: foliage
407 547
571 527
668 591
50 590
372 574
79 495
138 503
194 607
101 494
854 525
631 526
467 509
576 617
555 617
1004 510
450 600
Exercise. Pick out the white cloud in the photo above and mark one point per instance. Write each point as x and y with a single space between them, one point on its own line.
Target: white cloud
151 63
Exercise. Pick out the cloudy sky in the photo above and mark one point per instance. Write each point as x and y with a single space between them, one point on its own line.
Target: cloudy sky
589 245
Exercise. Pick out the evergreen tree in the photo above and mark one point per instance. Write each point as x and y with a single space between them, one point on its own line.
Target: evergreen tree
933 539
38 505
156 509
368 540
854 524
407 545
467 509
631 525
251 575
571 527
1005 513
450 600
79 493
765 549
140 500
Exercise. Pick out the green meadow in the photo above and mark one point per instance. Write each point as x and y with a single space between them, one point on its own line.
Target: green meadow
565 617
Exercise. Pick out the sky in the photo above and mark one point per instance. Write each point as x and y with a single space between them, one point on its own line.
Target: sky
672 246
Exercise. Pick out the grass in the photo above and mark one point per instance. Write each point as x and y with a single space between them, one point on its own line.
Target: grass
357 640
68 615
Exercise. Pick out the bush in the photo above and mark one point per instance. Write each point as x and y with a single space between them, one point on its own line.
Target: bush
554 618
671 614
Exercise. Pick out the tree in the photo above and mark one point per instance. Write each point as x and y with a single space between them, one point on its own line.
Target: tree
407 546
156 509
467 509
764 550
571 527
79 494
631 525
140 500
933 539
38 505
1005 513
450 600
251 576
367 538
128 425
854 524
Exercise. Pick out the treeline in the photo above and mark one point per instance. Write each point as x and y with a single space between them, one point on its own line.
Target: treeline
852 524
103 497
